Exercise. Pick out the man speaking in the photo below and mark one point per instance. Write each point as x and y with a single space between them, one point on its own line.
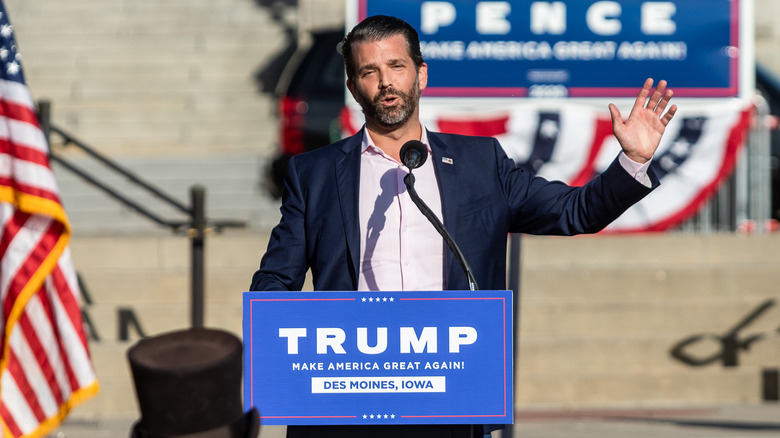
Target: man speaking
347 215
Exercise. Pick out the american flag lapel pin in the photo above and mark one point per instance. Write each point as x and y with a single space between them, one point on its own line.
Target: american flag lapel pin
446 160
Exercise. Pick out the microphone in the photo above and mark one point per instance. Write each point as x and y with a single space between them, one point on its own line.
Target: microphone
413 155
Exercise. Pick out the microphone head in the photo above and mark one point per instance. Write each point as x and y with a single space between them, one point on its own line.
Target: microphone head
413 154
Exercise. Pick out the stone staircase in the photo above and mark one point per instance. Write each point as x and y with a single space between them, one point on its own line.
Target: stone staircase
152 77
166 88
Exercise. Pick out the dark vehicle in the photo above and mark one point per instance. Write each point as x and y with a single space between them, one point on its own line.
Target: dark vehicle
310 97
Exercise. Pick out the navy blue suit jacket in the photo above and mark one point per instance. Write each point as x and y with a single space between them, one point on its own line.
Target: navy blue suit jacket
484 197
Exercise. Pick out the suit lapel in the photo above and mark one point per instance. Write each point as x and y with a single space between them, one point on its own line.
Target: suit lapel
347 168
445 163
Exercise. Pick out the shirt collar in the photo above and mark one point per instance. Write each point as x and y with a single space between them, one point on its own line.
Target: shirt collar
369 142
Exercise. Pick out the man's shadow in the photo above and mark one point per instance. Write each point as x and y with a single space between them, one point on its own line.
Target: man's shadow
389 183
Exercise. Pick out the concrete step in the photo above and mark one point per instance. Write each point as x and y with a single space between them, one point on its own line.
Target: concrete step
613 282
599 318
646 251
621 389
634 353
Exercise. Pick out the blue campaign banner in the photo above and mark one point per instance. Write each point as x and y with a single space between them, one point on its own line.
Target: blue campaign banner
378 358
572 48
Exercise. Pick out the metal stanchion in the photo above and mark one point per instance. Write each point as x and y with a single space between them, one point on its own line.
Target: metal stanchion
514 284
197 236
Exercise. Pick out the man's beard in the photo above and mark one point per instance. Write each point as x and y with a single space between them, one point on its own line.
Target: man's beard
391 116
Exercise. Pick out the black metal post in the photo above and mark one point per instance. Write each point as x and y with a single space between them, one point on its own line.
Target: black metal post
44 117
514 284
197 236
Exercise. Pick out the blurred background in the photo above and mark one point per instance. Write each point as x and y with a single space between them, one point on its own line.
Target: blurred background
201 100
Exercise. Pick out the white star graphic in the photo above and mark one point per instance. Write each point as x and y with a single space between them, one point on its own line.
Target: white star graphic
13 68
6 30
680 148
549 129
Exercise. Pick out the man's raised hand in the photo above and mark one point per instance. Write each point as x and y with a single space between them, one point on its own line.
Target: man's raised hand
641 133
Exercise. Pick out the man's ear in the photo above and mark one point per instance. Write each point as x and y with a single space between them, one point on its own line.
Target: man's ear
422 76
351 88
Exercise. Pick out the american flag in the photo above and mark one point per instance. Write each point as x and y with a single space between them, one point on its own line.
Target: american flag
45 367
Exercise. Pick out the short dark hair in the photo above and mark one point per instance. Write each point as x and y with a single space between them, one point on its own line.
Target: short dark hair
376 28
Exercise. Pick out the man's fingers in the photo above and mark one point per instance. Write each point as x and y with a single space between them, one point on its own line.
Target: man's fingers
659 109
657 97
669 114
616 117
644 93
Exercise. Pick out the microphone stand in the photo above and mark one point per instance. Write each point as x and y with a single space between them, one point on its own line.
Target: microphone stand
426 211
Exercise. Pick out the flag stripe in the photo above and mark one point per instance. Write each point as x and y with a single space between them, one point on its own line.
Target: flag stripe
65 303
34 335
61 383
21 133
19 354
63 312
17 112
13 408
11 152
41 248
15 92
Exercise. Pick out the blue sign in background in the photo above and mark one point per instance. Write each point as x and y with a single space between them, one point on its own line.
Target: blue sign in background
698 55
291 383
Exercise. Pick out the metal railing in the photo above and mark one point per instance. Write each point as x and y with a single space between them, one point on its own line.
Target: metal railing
196 224
743 202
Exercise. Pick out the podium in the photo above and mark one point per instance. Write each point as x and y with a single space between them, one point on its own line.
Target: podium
378 358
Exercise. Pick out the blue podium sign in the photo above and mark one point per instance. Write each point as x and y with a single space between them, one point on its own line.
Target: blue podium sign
378 358
573 48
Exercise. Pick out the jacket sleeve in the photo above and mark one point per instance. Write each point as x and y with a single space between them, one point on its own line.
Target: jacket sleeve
284 265
539 206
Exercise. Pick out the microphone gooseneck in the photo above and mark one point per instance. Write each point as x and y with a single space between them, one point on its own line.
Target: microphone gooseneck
413 155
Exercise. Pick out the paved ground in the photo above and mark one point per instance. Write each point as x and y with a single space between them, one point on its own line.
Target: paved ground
731 421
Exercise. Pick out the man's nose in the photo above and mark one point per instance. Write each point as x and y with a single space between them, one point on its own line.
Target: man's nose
384 81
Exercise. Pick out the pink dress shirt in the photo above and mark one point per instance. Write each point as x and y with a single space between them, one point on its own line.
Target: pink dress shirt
393 229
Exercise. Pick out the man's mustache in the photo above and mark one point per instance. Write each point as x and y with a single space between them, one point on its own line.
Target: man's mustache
387 91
